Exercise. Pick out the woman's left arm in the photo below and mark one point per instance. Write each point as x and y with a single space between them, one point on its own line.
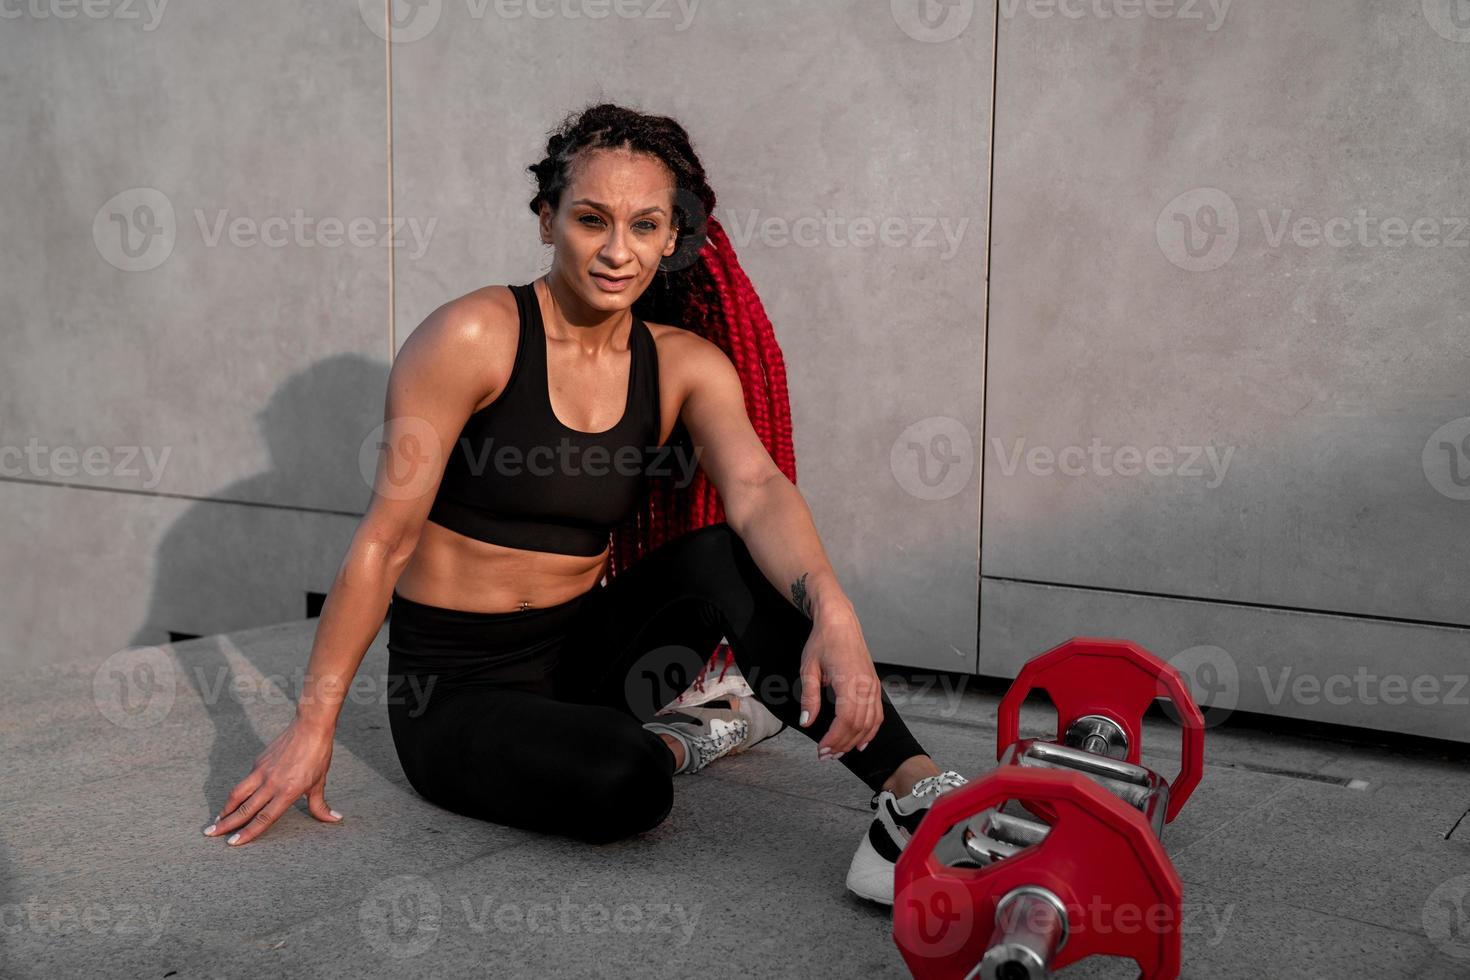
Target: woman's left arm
774 521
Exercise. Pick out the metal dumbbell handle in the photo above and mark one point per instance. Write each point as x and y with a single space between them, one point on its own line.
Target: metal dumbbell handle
1030 927
991 836
1140 787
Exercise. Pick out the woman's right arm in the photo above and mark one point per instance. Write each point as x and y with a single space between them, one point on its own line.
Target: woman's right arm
445 367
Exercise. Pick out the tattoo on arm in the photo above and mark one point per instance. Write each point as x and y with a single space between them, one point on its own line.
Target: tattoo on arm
800 597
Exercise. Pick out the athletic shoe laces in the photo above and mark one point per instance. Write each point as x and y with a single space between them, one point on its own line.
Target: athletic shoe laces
723 736
934 785
929 787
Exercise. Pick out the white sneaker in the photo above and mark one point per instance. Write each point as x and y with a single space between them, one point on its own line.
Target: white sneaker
870 875
706 733
763 724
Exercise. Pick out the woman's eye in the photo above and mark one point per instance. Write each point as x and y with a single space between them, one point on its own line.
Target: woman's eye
593 221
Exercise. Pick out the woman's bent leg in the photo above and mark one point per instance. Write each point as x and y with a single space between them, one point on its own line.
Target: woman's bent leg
522 759
636 641
478 732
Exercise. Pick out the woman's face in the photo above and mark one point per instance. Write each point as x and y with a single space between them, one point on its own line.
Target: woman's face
614 224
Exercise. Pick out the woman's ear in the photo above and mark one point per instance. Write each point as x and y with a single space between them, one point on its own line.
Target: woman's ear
545 222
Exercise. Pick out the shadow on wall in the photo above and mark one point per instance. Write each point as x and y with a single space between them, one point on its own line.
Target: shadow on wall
247 556
249 561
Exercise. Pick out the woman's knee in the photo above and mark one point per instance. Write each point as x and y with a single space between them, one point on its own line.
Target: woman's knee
713 561
709 544
630 790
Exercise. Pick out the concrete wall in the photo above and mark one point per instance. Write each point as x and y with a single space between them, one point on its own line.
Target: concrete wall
259 369
1230 272
1158 296
186 379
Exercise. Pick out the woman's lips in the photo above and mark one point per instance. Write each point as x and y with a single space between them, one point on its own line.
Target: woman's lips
611 285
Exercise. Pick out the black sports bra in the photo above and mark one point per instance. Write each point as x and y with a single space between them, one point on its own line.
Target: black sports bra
519 477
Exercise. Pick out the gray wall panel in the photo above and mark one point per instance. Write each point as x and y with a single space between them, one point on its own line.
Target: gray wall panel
104 571
1335 669
1325 367
172 337
250 372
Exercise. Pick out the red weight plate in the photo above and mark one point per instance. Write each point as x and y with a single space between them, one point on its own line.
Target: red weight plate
1122 895
1116 679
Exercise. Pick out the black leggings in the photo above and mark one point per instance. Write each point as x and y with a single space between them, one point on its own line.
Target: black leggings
533 718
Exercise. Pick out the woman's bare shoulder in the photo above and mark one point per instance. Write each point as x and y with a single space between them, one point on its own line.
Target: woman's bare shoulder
482 314
467 342
688 362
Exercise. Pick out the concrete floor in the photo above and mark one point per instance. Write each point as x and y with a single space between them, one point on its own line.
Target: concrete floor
108 772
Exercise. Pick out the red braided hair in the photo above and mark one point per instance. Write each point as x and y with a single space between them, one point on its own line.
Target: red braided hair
727 313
